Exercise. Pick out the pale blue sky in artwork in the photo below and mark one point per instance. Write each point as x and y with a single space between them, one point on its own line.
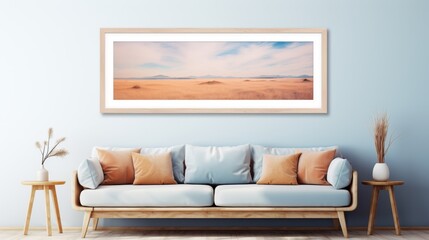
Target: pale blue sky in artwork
153 65
227 59
232 51
281 44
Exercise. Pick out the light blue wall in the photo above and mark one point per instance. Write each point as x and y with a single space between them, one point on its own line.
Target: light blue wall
49 73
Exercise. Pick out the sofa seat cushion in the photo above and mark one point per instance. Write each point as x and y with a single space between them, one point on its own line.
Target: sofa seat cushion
252 195
177 195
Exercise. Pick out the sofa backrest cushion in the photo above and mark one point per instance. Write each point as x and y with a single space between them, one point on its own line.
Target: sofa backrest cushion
90 174
153 169
313 166
117 166
217 165
279 169
177 156
340 173
258 152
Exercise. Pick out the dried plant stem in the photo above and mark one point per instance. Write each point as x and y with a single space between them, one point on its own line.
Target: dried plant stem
46 152
49 140
43 152
50 152
380 136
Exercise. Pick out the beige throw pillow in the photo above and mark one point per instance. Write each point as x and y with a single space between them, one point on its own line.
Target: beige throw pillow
153 169
279 169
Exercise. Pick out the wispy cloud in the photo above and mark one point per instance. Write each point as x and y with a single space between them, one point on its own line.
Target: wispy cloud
236 59
153 65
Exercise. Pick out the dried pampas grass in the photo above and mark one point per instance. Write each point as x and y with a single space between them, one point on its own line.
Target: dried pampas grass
382 145
48 152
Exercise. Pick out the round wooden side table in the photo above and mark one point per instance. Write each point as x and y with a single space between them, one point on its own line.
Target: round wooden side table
376 187
46 186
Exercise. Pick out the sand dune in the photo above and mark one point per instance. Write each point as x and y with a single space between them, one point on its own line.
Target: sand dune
210 82
214 89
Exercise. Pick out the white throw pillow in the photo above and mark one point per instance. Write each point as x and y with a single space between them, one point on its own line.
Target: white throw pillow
217 165
90 174
339 173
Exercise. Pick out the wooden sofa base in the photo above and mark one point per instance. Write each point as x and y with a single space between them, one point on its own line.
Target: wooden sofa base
337 214
97 213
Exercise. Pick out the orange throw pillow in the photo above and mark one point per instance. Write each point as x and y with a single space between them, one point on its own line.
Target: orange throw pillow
279 169
153 169
313 167
117 166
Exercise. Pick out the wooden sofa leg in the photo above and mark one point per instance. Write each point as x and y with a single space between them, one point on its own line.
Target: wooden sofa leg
86 219
94 223
342 219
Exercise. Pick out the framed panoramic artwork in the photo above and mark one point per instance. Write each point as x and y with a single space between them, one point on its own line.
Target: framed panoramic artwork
213 70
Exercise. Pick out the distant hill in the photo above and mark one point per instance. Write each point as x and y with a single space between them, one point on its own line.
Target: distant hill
304 76
160 76
214 76
283 76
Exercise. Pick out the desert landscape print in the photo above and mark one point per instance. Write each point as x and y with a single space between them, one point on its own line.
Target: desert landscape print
213 70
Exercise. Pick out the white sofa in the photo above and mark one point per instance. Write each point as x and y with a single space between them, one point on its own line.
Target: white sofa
214 201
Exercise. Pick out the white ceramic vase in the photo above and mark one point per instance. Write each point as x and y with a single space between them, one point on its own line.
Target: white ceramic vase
380 172
42 174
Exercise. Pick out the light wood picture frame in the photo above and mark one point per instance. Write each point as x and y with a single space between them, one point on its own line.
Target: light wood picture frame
193 70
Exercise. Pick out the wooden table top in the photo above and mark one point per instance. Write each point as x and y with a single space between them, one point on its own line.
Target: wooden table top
43 183
382 183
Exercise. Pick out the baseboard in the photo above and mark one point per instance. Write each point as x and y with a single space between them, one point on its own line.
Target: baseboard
220 228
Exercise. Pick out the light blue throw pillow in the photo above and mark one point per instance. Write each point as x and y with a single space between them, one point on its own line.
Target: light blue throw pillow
258 152
90 174
177 158
339 173
217 165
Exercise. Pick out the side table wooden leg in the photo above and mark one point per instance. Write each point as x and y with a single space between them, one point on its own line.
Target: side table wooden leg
57 208
94 224
374 201
29 210
48 211
394 210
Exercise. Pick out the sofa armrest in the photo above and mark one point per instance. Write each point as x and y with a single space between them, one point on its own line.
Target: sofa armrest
76 190
353 188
